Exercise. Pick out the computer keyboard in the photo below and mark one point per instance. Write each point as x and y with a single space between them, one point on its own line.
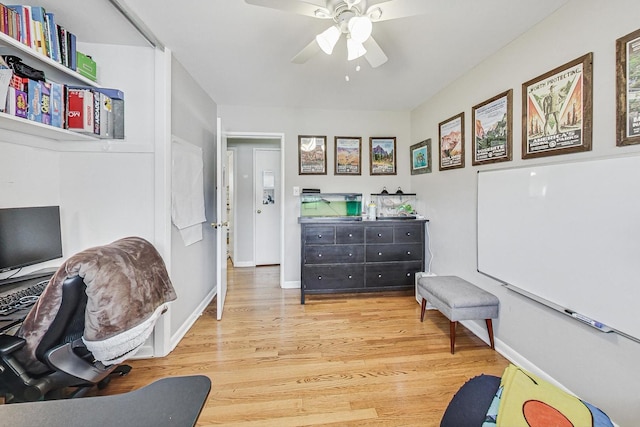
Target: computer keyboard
21 299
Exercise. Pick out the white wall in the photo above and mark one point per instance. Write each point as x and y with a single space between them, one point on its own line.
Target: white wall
294 122
600 368
193 119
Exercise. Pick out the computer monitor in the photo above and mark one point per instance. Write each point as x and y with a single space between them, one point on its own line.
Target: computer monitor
29 236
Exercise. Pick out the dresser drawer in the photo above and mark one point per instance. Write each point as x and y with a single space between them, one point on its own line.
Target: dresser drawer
379 234
385 253
319 235
410 233
349 234
393 274
339 277
321 254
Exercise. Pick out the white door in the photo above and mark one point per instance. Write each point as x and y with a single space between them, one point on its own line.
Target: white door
267 206
221 224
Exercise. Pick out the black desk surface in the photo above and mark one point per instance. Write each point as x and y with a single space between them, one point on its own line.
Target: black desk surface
174 401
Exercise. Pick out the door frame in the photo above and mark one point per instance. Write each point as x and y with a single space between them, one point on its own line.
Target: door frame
279 136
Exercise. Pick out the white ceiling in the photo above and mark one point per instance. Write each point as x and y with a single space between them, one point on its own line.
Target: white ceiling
240 53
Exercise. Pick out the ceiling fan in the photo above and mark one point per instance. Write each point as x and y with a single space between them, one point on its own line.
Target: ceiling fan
353 18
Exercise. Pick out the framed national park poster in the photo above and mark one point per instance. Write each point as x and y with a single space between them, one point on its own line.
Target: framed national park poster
312 155
420 154
451 136
628 89
382 156
492 129
557 110
348 155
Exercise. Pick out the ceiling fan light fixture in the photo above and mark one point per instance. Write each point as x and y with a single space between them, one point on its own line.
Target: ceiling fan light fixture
354 49
328 38
360 28
374 13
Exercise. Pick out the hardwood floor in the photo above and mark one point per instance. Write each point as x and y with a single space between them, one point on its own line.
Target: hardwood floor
335 361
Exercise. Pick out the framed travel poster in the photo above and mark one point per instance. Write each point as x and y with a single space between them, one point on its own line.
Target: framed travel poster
382 156
451 137
557 110
312 155
628 89
492 129
348 160
420 155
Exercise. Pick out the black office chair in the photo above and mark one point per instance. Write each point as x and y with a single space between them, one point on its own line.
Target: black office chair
70 369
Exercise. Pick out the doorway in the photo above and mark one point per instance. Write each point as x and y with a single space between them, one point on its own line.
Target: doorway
248 174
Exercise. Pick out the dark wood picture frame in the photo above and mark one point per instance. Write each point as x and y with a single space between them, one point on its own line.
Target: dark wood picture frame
420 155
451 142
492 123
312 155
348 155
628 89
382 155
562 99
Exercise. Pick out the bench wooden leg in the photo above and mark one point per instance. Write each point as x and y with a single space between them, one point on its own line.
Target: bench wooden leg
452 335
424 307
490 329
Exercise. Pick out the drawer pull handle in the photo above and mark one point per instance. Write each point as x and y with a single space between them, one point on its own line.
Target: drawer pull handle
408 252
350 276
319 277
379 276
408 233
350 254
379 253
319 236
350 235
379 234
319 255
408 274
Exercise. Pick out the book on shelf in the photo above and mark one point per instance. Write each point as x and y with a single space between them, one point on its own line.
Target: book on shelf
37 29
71 48
10 22
52 31
64 51
25 22
5 80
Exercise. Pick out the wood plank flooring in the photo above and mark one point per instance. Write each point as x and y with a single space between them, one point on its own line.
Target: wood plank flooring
335 361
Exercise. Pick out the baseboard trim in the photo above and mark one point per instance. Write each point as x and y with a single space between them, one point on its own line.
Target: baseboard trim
191 320
479 329
292 284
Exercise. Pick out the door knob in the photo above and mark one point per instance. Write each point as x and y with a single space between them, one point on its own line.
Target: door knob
259 211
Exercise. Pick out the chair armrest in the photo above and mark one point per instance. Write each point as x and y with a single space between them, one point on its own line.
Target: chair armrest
10 343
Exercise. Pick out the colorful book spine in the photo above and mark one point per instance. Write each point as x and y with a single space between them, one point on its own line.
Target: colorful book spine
52 31
64 51
37 17
117 107
71 47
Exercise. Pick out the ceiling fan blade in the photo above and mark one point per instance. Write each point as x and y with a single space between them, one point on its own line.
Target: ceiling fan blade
394 9
306 53
307 8
375 56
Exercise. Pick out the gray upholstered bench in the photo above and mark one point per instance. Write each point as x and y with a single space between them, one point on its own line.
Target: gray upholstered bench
457 299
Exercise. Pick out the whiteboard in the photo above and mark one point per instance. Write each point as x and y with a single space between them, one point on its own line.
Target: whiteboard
568 235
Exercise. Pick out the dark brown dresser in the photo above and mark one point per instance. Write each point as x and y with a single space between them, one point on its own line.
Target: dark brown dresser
360 256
